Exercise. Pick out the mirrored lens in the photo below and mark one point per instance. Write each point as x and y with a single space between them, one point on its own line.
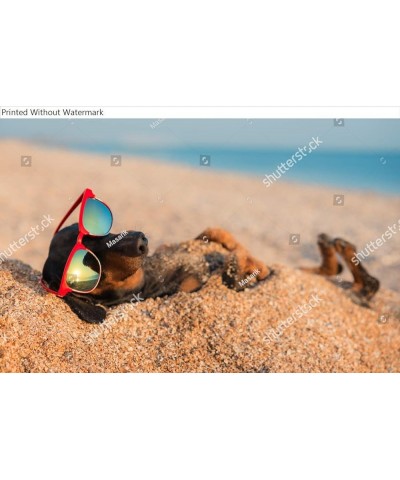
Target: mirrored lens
83 272
97 218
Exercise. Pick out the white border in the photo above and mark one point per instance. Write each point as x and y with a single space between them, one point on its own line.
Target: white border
251 426
199 112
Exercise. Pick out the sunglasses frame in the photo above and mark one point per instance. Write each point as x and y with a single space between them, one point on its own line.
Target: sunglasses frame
64 289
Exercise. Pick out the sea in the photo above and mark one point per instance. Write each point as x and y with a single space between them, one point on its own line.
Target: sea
360 170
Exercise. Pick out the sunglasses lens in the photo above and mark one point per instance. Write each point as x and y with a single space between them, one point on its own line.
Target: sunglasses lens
83 272
97 217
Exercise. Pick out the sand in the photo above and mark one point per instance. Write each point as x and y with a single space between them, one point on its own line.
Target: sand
215 329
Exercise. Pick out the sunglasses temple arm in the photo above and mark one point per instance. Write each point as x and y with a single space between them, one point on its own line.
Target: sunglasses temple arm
69 213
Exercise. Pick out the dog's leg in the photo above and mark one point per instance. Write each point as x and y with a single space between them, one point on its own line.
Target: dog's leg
239 265
221 236
190 284
364 284
330 265
85 310
241 270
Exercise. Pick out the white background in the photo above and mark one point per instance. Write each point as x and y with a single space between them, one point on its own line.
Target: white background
208 53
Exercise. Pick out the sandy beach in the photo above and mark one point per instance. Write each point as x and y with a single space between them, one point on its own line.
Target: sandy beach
215 329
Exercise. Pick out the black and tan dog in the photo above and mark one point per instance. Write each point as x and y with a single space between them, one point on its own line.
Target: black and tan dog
127 270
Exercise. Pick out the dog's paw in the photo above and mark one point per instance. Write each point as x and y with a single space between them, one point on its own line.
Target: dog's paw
242 270
85 310
330 265
365 285
219 235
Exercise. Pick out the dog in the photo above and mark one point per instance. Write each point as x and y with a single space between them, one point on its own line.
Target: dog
128 271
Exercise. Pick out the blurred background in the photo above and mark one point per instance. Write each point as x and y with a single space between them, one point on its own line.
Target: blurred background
361 154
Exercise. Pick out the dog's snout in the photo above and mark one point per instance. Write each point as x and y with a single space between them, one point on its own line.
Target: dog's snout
131 244
142 243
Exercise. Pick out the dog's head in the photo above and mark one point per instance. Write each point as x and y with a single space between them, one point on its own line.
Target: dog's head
121 257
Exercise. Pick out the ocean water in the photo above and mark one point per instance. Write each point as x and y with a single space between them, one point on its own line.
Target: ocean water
341 169
365 154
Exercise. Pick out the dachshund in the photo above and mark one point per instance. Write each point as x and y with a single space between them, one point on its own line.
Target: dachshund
129 272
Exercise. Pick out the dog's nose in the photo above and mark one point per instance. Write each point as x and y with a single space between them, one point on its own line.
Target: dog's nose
134 244
142 243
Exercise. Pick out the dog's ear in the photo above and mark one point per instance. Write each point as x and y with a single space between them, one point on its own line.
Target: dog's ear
85 310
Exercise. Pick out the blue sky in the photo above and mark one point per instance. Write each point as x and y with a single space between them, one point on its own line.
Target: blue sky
360 135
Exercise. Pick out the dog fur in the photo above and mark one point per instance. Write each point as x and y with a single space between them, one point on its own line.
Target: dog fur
127 270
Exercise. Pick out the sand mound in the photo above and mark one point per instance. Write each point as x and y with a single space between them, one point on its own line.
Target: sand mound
213 330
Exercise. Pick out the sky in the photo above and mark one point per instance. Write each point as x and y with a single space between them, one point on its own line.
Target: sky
360 135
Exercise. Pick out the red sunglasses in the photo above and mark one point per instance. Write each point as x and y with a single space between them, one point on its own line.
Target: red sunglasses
82 272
